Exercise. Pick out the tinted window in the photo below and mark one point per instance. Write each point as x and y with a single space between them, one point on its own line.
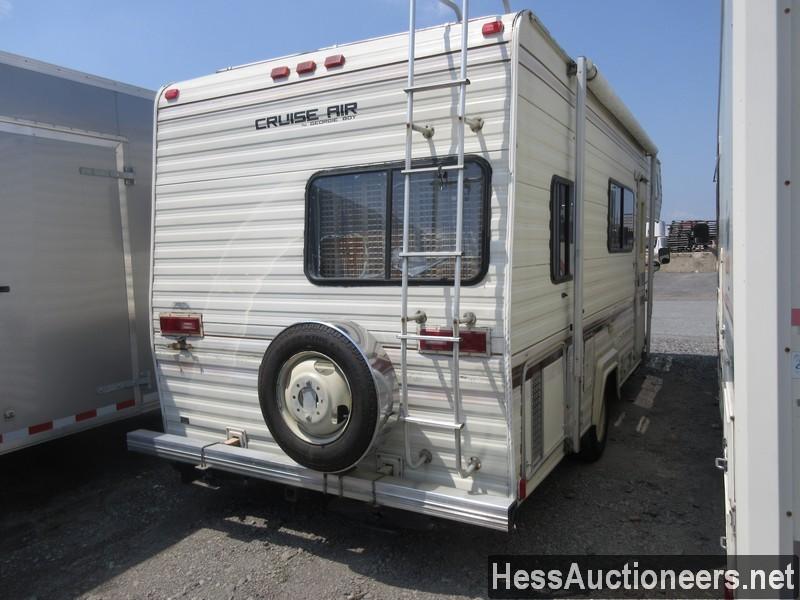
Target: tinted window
621 203
561 243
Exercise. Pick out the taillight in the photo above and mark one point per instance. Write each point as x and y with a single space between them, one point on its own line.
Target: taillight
337 60
172 94
308 66
492 28
473 341
181 325
280 72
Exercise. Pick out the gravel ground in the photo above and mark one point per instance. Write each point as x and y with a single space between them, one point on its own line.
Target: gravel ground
81 517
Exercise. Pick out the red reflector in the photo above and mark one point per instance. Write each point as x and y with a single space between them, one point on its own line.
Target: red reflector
473 341
796 317
126 404
172 94
280 72
522 489
337 60
181 325
308 66
40 428
89 414
492 28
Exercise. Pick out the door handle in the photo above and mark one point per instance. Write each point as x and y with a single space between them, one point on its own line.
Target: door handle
5 288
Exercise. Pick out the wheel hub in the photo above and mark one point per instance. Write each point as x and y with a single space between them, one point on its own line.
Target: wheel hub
316 397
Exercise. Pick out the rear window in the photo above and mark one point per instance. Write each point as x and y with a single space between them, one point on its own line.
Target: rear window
354 227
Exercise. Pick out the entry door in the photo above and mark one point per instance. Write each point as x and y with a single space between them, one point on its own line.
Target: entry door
64 317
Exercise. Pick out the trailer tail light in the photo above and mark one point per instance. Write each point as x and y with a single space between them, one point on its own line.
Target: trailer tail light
172 94
308 66
181 325
473 341
492 28
280 72
522 489
336 60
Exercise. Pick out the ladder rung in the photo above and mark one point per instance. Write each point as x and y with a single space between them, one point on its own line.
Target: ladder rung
436 86
431 254
428 338
430 169
434 423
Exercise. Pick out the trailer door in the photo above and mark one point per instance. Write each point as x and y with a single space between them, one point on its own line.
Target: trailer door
64 310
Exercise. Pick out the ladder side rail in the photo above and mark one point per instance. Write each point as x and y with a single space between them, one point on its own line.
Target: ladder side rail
473 463
424 456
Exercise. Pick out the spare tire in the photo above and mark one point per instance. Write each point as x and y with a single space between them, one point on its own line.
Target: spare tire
319 397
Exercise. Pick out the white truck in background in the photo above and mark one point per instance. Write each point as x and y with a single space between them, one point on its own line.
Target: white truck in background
75 195
759 278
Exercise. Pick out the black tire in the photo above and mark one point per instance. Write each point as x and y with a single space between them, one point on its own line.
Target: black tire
345 451
592 444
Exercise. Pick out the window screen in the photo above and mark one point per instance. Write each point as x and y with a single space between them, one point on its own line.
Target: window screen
433 224
561 243
351 213
621 201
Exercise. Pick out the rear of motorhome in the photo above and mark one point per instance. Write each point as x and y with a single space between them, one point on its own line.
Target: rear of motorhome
366 274
75 168
759 275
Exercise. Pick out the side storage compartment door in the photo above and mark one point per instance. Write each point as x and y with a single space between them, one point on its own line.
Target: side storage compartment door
64 322
543 402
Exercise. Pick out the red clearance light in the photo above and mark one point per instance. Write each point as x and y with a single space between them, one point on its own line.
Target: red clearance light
308 66
172 94
473 341
492 28
280 72
181 325
337 60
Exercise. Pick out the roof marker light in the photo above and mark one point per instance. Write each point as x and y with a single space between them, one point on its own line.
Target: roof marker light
280 72
308 66
492 28
335 60
172 94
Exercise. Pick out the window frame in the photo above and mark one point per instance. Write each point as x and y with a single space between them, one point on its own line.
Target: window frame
623 188
553 220
390 167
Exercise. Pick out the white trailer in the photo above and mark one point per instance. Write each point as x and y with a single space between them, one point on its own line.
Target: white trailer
759 278
364 275
75 168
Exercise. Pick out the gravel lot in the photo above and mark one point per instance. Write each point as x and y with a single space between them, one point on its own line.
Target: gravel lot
82 517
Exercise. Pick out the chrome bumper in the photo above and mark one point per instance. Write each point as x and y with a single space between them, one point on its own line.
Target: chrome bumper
484 510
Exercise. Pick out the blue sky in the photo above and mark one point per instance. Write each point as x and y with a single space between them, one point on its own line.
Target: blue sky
660 56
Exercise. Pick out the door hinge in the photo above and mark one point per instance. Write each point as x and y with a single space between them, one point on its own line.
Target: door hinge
143 380
126 174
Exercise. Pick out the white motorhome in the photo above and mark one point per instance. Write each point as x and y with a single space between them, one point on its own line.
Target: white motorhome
759 274
365 280
75 167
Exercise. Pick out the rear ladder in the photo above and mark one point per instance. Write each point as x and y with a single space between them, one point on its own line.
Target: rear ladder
457 424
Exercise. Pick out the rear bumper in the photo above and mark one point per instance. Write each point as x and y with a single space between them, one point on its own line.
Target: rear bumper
485 510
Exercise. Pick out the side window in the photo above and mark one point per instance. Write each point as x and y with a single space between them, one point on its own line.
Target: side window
621 202
354 225
561 243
